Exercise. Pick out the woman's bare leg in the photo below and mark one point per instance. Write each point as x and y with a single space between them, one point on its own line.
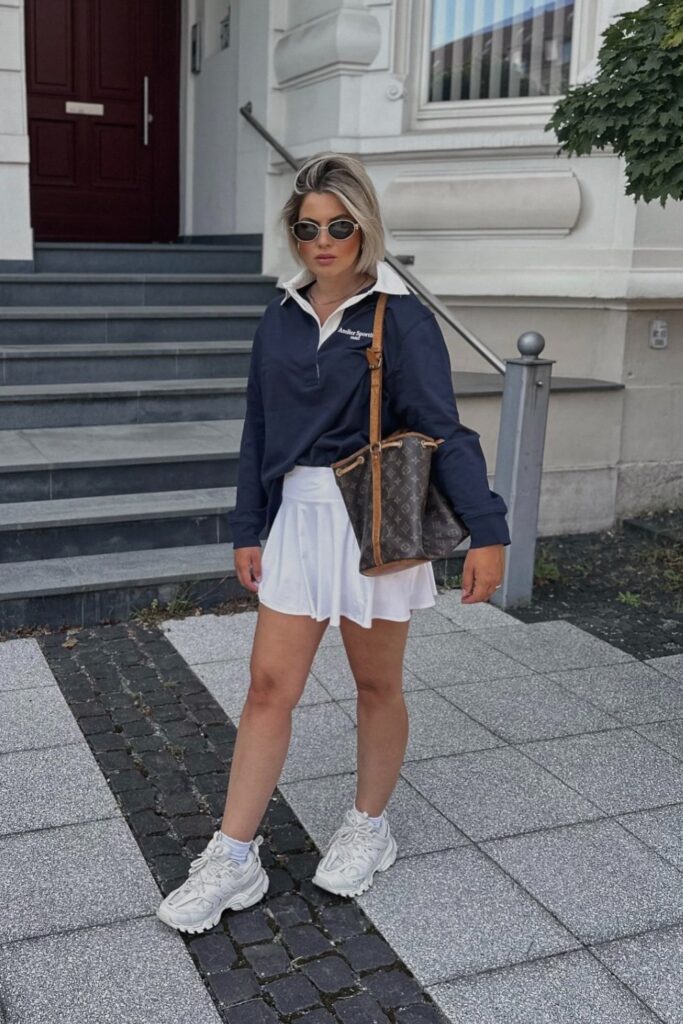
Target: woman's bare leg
376 659
282 654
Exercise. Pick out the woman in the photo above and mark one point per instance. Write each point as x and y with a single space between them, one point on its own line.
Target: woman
307 406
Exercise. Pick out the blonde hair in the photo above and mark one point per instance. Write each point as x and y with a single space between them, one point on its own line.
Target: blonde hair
346 178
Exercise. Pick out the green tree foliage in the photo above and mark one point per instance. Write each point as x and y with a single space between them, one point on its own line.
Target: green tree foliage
635 103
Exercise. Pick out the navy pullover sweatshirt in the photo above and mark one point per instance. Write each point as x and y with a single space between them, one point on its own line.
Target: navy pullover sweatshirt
309 404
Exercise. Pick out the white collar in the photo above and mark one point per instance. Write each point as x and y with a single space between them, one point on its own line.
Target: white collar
387 281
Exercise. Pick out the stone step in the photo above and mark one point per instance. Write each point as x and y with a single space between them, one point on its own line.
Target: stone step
89 289
20 325
71 257
71 462
103 524
30 406
150 360
93 588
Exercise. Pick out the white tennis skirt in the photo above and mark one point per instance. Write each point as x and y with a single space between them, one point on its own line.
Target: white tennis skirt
309 563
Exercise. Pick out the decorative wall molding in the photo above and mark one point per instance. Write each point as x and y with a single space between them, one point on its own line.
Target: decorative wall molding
538 202
347 39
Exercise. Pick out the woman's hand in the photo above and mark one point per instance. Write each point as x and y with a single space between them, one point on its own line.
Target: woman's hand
248 564
483 571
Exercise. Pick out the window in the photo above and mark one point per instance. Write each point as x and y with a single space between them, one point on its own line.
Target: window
492 49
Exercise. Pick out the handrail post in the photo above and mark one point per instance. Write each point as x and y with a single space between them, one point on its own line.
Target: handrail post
519 463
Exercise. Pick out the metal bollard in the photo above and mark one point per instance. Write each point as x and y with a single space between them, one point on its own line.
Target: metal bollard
519 463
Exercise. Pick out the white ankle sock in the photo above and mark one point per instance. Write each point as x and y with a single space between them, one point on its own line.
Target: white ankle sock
377 822
237 849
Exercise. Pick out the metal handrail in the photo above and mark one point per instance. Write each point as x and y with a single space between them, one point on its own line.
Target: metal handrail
417 286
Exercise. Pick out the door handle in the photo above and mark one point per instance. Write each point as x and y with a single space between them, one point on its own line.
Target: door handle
147 118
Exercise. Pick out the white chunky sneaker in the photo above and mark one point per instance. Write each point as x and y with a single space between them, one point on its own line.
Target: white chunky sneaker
215 883
355 852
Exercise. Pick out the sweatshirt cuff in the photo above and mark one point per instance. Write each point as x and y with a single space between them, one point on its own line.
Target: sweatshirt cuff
487 529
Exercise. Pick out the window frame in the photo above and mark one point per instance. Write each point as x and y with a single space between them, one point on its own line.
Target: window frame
507 111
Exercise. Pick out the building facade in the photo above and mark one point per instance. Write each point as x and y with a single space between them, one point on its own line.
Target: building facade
122 123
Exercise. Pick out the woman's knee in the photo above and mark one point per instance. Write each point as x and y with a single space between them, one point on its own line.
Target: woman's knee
270 688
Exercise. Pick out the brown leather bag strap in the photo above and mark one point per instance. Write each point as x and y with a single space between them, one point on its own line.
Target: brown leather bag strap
374 357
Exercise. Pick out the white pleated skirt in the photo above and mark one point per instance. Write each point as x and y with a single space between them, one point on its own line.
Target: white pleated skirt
309 563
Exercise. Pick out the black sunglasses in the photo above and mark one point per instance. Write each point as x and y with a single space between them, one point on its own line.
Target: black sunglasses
308 230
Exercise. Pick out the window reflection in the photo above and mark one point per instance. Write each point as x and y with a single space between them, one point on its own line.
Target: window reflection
488 49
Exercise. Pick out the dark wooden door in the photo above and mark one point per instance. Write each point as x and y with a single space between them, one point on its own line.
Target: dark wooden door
98 174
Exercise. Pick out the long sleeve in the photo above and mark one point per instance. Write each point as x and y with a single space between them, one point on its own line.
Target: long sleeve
249 515
419 383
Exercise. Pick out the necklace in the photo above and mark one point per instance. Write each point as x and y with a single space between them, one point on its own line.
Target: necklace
329 302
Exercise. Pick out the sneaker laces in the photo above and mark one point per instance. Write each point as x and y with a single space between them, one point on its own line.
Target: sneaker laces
354 834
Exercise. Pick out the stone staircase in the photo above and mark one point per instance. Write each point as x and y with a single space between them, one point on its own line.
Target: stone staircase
122 396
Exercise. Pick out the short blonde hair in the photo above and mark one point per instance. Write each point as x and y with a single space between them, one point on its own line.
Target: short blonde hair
346 178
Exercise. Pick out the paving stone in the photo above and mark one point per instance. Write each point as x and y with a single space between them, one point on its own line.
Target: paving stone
293 994
289 910
318 1016
136 968
651 965
393 988
72 877
416 825
119 782
23 665
107 741
212 637
365 952
421 1015
527 708
305 940
249 926
672 665
253 1012
329 973
148 823
599 880
497 792
141 799
266 960
360 1009
37 717
471 616
631 691
323 743
459 657
437 727
234 986
302 865
490 921
343 921
665 735
287 838
51 787
552 646
569 989
200 763
661 829
214 952
617 770
193 826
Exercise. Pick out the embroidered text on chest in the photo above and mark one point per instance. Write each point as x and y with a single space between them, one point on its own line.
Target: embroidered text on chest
356 335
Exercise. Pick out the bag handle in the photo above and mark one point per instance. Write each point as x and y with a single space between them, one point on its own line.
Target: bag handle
374 356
